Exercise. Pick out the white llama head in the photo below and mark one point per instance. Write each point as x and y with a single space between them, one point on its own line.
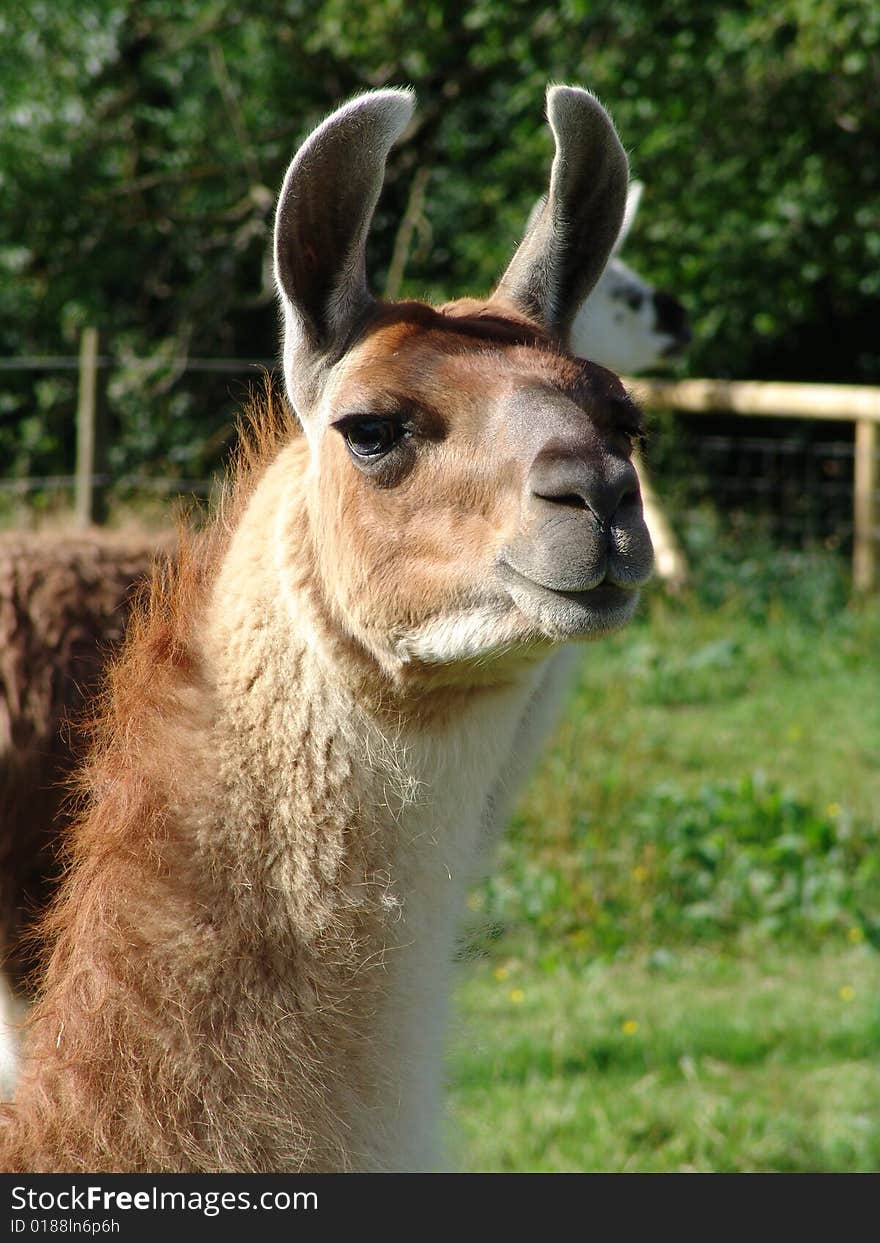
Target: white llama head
626 323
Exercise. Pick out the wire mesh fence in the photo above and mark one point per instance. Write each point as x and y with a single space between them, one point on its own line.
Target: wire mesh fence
794 479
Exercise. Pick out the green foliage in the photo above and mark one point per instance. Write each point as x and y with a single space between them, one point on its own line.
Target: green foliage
742 859
750 854
736 562
141 145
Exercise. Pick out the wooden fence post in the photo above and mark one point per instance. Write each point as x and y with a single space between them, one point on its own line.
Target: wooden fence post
858 403
91 448
865 512
670 563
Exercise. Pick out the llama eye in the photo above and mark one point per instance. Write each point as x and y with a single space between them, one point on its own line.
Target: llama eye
370 437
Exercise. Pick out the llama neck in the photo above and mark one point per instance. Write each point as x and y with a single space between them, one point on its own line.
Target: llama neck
253 951
354 835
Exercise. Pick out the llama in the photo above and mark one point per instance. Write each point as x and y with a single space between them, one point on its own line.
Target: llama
310 737
64 599
626 324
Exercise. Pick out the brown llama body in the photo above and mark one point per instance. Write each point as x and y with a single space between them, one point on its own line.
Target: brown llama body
64 601
314 726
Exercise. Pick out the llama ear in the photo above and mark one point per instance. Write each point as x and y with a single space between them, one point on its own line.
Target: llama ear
633 199
633 202
324 213
570 238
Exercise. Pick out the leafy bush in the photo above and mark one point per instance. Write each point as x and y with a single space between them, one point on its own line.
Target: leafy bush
743 859
141 146
750 854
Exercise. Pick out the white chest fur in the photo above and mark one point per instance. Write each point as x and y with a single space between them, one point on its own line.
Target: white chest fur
467 780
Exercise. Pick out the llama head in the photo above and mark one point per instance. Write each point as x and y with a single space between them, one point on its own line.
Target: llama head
469 487
626 323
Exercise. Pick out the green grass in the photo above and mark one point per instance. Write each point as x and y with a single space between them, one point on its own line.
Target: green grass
698 857
690 1061
688 692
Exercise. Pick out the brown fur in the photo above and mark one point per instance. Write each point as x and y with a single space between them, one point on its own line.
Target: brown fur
64 599
129 888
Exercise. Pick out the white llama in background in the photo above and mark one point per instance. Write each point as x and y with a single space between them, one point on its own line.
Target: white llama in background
626 324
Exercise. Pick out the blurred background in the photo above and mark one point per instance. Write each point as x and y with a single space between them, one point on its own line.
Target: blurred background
674 965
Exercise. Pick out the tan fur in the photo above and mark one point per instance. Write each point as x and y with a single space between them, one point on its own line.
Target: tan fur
235 918
319 712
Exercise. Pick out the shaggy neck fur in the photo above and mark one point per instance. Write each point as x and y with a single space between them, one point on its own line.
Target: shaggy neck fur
251 955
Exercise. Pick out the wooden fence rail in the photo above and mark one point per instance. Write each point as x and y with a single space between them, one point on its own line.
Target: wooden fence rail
849 403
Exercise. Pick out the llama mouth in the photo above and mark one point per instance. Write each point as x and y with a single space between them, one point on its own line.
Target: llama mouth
599 609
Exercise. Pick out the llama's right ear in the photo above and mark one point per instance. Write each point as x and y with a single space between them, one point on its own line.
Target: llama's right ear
321 224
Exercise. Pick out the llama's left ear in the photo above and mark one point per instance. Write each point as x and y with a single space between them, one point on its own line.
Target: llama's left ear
324 213
569 241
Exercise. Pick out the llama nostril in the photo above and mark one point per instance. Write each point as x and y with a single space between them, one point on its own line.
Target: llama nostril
571 499
602 501
580 481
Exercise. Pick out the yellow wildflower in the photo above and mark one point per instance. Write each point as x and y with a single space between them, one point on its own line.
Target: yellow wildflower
517 995
847 992
630 1027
